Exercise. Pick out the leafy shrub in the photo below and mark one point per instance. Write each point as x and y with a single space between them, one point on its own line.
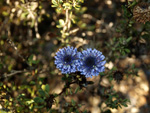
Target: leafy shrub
32 34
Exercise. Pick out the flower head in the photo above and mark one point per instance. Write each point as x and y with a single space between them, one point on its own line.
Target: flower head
118 76
67 60
91 62
141 12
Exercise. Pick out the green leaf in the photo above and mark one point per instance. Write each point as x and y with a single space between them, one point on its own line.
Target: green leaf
119 106
85 111
38 100
33 23
124 10
24 14
130 38
77 7
47 89
31 61
60 1
115 101
73 102
63 78
30 58
77 89
67 6
1 84
110 78
79 105
123 53
22 1
35 61
133 4
77 111
5 13
125 105
66 92
29 102
54 5
133 66
71 110
61 22
67 75
38 107
70 90
127 50
54 2
32 83
42 93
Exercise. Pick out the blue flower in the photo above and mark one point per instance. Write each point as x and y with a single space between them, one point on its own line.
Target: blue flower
91 62
67 60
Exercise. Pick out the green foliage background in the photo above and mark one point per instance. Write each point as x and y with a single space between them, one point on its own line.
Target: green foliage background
31 32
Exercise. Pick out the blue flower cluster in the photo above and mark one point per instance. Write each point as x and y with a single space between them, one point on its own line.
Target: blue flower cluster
88 62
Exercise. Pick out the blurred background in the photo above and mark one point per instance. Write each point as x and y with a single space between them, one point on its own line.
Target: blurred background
30 35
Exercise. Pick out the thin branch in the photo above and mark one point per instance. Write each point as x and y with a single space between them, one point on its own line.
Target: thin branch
12 44
14 72
36 28
66 86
